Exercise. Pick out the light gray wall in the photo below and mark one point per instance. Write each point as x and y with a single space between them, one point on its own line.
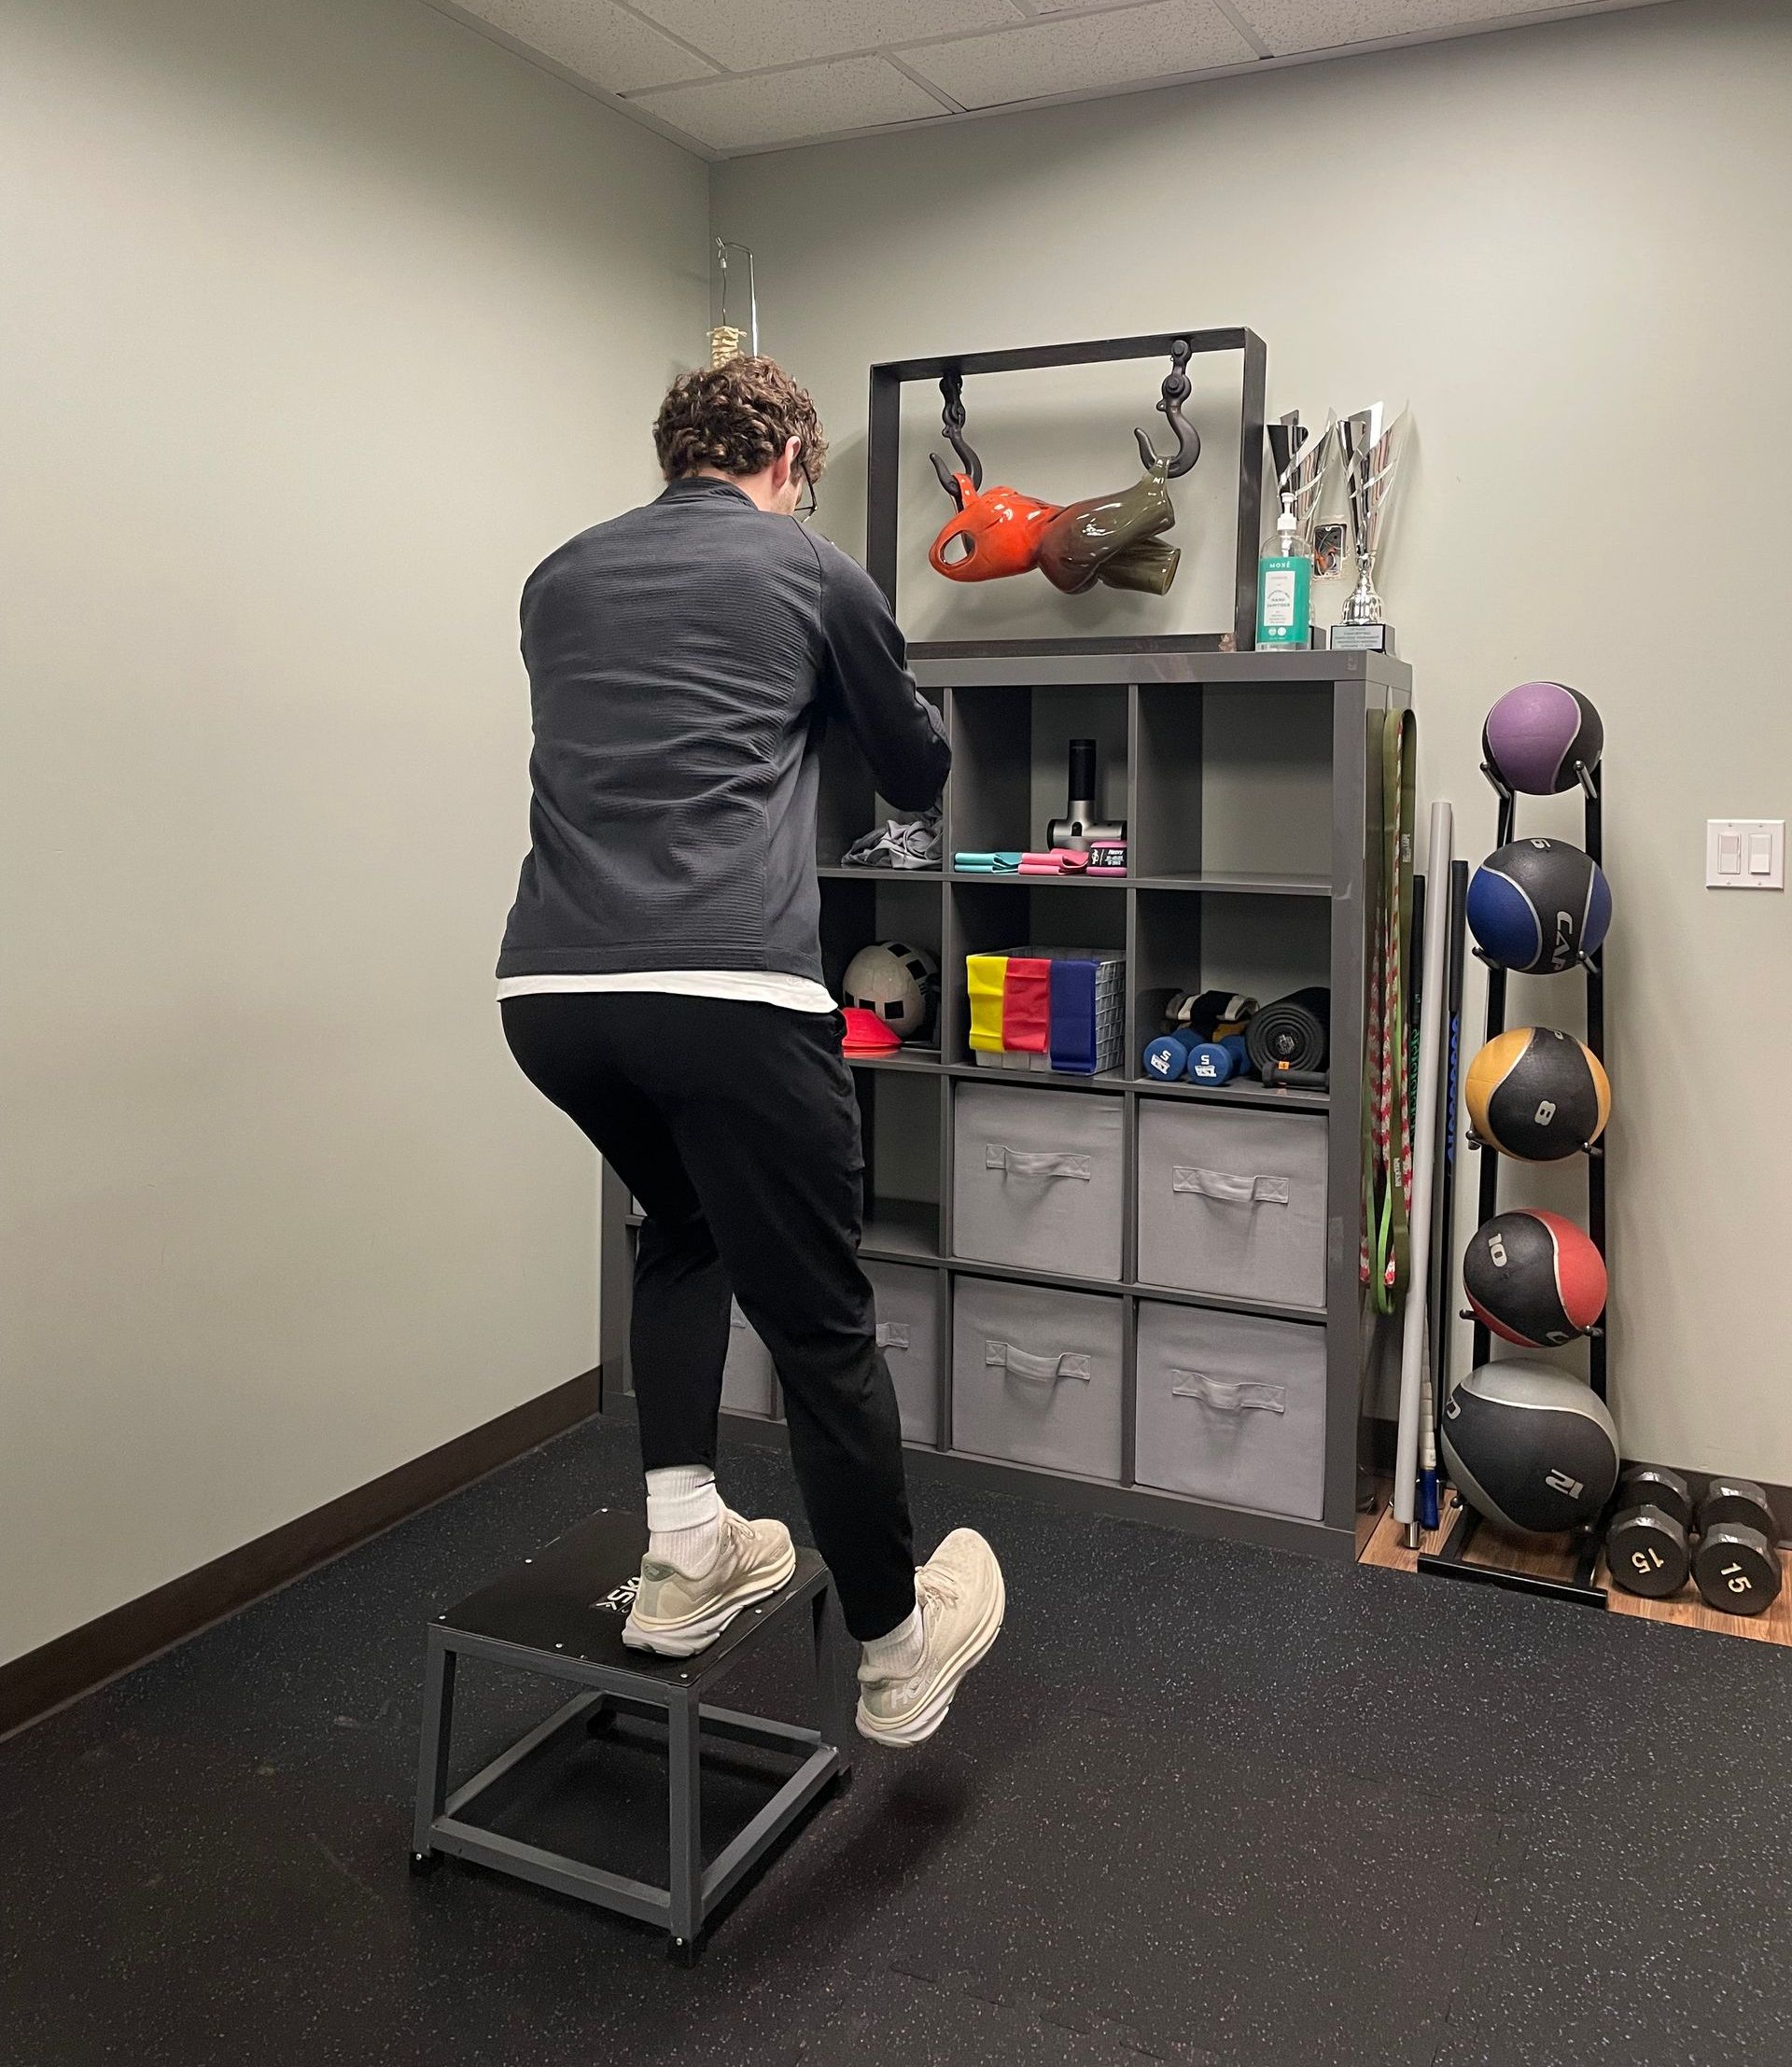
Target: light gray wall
325 320
1566 247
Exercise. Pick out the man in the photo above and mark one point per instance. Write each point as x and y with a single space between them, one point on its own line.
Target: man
661 982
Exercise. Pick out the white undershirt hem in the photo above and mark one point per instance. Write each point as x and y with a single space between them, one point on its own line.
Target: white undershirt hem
745 986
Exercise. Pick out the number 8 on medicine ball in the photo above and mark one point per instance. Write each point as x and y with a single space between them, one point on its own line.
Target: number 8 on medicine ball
1536 1095
1538 905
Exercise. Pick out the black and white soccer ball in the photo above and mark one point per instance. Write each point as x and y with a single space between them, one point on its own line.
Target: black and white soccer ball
899 982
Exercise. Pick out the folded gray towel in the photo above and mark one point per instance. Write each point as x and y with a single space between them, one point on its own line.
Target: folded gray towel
898 844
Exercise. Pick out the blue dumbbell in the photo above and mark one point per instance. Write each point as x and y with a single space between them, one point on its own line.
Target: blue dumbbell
1209 1063
1166 1057
1218 1061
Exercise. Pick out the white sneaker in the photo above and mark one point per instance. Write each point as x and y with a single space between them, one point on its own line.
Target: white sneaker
679 1614
961 1597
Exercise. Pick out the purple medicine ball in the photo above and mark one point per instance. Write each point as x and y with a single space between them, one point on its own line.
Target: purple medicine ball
1538 736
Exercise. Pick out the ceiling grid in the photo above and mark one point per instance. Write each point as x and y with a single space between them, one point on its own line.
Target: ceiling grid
726 77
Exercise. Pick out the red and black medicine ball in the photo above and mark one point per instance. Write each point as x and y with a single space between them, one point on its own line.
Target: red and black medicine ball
1535 1278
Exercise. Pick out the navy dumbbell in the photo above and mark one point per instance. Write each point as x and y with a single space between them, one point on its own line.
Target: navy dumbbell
1166 1057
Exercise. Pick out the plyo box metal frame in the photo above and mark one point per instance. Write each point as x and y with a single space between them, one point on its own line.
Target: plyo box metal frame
1355 690
883 459
581 1583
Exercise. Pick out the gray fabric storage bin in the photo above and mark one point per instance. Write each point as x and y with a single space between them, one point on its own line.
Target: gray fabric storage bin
1036 1376
1231 1407
1037 1179
748 1380
1232 1203
908 1333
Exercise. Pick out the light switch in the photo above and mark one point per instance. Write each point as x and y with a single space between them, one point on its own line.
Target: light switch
1745 854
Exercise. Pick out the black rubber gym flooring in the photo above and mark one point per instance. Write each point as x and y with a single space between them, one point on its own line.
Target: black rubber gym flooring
1205 1804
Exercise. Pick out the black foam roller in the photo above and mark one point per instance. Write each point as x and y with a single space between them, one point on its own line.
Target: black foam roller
1295 1032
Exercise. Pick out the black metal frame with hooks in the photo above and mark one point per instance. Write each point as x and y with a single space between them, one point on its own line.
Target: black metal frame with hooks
1451 1561
884 454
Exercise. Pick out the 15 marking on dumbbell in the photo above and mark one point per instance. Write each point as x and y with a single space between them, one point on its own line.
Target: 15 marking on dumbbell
1645 1544
1735 1564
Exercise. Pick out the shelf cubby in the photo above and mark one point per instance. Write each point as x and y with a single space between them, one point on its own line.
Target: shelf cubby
1011 755
989 916
1222 939
902 1128
847 804
861 907
1234 785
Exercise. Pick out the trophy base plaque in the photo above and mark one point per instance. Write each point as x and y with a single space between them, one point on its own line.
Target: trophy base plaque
1363 638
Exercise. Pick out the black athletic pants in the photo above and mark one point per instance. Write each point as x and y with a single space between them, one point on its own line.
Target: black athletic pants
737 1127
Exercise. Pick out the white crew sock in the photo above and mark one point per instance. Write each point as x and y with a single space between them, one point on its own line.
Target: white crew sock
898 1656
683 1516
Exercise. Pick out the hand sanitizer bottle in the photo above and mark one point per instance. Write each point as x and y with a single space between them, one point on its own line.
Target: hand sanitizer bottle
1284 586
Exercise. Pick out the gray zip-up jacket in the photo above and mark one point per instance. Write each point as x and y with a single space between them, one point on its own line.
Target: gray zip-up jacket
683 662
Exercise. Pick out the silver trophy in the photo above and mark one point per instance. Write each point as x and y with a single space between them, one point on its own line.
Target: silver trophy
1300 462
1371 455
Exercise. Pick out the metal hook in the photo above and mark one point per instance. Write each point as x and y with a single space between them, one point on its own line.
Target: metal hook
952 425
1176 391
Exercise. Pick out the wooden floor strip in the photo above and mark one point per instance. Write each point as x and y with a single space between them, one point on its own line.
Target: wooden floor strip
1550 1558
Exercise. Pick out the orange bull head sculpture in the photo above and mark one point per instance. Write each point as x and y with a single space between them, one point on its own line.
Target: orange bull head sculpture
1107 539
997 531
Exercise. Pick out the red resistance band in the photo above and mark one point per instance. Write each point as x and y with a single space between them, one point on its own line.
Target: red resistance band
1027 1006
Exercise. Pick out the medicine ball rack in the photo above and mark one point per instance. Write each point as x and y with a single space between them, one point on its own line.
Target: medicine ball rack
1450 1560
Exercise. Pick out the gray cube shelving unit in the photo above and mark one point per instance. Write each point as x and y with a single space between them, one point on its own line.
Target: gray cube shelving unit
1251 785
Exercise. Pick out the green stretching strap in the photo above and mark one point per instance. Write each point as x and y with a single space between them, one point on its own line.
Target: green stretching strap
1387 1115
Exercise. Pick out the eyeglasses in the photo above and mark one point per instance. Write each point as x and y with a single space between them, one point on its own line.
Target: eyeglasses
806 501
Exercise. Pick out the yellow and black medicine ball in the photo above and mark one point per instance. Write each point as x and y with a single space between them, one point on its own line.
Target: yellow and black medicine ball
1537 1095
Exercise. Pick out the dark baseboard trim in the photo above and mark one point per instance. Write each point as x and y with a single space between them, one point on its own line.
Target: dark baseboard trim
60 1672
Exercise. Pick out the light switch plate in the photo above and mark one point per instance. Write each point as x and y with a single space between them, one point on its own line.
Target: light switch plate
1745 854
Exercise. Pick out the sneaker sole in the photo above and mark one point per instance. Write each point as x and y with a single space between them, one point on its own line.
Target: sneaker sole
684 1639
917 1727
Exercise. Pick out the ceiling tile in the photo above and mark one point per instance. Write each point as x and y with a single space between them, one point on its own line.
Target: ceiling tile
1290 26
602 43
777 108
743 35
1117 47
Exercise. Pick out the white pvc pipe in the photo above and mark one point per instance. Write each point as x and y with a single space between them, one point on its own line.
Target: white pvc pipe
1435 1010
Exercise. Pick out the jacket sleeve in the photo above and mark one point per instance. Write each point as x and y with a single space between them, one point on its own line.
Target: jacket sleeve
865 679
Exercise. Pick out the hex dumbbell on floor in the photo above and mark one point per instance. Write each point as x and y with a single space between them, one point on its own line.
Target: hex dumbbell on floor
1736 1566
1646 1549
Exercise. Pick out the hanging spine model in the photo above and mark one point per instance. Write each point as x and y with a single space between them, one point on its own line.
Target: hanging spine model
727 340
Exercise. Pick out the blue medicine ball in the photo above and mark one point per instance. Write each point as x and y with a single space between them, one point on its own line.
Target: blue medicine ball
1538 905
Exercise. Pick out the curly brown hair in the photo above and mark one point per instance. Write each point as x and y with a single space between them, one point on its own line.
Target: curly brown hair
736 417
